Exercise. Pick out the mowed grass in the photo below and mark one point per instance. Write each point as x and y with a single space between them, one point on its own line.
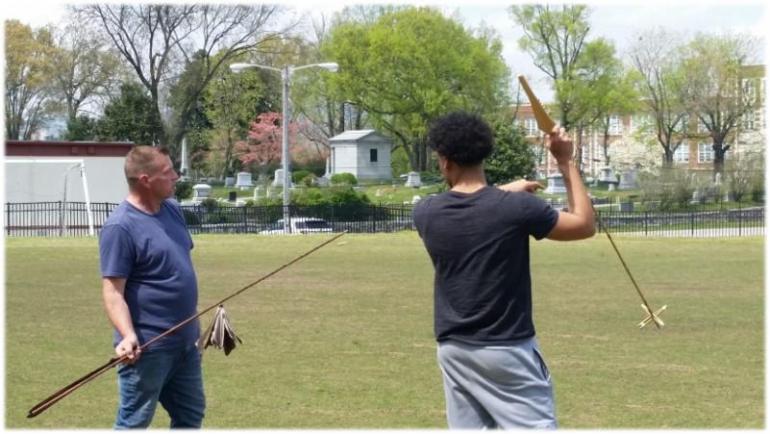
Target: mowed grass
344 338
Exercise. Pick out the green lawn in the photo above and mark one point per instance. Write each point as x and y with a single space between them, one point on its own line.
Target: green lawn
344 338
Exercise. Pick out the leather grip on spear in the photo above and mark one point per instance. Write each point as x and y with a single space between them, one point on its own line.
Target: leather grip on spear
65 391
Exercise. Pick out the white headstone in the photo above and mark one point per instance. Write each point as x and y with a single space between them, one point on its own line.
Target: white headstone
416 198
278 179
201 191
413 180
244 180
628 180
556 184
606 175
257 191
229 181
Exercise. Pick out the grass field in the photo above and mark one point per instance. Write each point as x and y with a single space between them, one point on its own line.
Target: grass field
344 338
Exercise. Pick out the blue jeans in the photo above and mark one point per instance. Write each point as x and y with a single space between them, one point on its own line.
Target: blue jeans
172 377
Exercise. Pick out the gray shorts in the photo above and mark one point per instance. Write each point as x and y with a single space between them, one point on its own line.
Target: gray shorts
496 386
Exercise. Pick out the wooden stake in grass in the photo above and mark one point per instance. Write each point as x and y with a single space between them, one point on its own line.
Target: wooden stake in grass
546 124
651 316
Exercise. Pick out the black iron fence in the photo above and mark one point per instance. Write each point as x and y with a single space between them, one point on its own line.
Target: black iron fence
693 223
71 219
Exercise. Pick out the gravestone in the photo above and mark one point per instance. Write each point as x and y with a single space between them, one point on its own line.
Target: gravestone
229 181
555 184
413 180
244 181
278 178
257 192
628 180
201 191
607 178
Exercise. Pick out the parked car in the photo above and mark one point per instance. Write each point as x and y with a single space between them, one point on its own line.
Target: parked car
300 225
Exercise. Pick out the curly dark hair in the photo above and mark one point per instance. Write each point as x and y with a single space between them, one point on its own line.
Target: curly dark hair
463 138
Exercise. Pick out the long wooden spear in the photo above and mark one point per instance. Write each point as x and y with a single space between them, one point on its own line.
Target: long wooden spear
65 391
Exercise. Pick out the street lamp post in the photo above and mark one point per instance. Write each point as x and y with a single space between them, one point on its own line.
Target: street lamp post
286 73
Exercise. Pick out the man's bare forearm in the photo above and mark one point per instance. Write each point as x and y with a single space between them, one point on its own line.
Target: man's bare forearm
577 196
116 308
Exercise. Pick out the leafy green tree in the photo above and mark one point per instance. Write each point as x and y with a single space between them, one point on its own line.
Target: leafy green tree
152 38
555 37
231 102
512 157
412 65
130 117
603 89
28 74
86 70
82 127
656 55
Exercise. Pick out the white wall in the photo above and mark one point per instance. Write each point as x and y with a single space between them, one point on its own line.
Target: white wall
29 182
345 159
379 169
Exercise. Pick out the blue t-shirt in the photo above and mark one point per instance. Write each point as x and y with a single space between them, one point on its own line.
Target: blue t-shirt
152 251
479 245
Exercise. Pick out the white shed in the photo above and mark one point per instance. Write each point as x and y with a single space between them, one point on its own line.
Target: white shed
364 153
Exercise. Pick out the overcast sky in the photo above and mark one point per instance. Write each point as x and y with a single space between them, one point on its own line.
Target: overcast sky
614 20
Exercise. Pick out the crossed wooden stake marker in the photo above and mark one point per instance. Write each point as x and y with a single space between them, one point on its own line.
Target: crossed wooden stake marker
546 124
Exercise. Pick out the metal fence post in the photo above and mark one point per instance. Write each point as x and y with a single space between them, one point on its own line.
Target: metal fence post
645 222
692 223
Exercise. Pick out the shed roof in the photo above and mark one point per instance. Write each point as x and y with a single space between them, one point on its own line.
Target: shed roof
354 135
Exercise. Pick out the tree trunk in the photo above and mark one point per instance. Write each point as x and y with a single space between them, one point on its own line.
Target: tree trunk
411 154
341 119
579 153
668 158
719 158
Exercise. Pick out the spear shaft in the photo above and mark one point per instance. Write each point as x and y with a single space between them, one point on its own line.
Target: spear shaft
65 391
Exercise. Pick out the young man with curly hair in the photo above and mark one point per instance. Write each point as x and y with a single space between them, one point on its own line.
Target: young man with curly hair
477 237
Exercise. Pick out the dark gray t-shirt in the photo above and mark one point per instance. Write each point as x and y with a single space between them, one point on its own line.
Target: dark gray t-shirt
152 251
479 245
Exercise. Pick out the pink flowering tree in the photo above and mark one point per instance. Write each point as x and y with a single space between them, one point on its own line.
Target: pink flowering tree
263 145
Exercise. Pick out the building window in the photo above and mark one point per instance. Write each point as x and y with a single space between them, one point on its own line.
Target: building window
749 120
749 91
530 126
614 125
759 118
705 153
682 153
373 155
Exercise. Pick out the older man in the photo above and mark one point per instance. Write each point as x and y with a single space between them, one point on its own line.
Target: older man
148 286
